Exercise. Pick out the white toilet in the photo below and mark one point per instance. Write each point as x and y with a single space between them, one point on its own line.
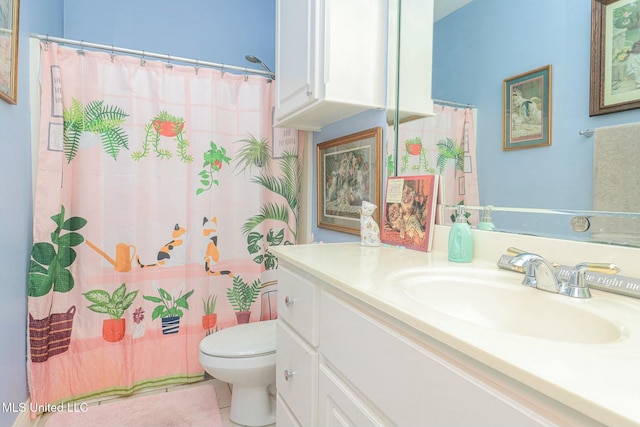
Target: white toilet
245 356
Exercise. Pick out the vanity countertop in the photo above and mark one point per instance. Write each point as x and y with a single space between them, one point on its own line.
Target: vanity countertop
600 380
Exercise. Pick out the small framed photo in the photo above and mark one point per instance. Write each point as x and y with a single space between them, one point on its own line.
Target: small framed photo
409 211
615 56
9 13
349 172
526 105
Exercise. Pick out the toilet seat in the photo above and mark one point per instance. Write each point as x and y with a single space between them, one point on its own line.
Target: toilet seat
246 340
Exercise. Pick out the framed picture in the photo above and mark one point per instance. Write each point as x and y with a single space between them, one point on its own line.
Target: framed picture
9 12
615 56
526 105
349 171
409 211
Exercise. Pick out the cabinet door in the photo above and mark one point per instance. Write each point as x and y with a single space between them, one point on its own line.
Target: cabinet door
297 374
294 55
340 406
284 416
407 383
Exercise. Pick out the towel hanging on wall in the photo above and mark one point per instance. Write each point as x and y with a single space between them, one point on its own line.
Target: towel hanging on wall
616 178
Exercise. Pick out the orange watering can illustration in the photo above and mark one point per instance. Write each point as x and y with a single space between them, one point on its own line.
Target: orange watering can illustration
124 256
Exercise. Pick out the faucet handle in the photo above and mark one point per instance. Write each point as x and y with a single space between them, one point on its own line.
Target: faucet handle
603 267
514 251
577 285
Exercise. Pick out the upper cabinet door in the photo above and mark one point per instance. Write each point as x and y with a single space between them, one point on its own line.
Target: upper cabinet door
294 55
330 60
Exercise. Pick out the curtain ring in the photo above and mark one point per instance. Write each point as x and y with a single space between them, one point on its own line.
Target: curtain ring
222 71
113 54
142 60
81 50
169 64
196 68
46 43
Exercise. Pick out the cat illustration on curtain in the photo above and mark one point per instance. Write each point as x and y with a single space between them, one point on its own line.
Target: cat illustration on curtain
212 254
173 252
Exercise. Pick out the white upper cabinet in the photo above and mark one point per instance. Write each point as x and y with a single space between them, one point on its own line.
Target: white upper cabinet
330 60
416 51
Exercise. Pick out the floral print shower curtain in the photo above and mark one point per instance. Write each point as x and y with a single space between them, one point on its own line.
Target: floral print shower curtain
160 189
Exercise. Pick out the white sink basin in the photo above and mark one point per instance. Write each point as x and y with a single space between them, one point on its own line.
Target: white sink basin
496 300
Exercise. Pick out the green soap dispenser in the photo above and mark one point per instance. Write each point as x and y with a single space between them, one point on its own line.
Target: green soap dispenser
461 239
485 221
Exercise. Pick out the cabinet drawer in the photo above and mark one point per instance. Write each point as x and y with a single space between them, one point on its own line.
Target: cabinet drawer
297 374
298 301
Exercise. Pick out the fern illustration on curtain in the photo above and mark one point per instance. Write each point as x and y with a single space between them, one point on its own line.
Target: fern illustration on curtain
159 192
445 145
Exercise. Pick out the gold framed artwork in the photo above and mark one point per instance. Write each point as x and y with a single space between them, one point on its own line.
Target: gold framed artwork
9 18
526 110
615 56
349 172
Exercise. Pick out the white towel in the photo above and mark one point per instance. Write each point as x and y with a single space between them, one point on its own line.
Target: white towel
616 183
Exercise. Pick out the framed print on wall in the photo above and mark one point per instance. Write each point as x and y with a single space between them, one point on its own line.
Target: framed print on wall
349 171
526 105
9 13
615 56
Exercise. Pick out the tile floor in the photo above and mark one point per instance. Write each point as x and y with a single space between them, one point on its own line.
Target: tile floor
223 392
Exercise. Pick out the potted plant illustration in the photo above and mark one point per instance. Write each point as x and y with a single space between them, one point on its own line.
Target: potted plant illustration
210 317
114 305
169 308
413 146
167 125
138 326
49 269
213 161
96 118
241 296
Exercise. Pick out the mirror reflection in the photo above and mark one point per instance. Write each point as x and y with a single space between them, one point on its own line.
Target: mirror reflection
587 175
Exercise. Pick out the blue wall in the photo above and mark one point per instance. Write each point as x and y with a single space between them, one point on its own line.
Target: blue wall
220 31
16 215
487 41
211 30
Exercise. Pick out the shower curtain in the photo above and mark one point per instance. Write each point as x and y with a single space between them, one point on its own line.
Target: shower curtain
160 189
444 144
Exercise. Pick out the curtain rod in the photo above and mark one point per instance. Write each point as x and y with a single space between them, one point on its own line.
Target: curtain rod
168 58
452 104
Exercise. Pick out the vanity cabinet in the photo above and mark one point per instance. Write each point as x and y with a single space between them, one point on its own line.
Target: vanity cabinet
343 362
330 60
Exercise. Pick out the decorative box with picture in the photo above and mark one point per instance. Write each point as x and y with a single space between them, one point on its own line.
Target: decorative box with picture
409 211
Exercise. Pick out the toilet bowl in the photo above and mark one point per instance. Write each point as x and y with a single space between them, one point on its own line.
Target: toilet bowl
245 357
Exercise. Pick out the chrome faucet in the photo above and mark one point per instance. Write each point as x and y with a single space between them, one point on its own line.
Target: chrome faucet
538 272
541 274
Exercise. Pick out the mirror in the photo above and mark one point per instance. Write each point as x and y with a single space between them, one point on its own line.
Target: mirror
545 191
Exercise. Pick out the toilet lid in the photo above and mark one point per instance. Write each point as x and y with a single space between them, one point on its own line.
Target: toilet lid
246 340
